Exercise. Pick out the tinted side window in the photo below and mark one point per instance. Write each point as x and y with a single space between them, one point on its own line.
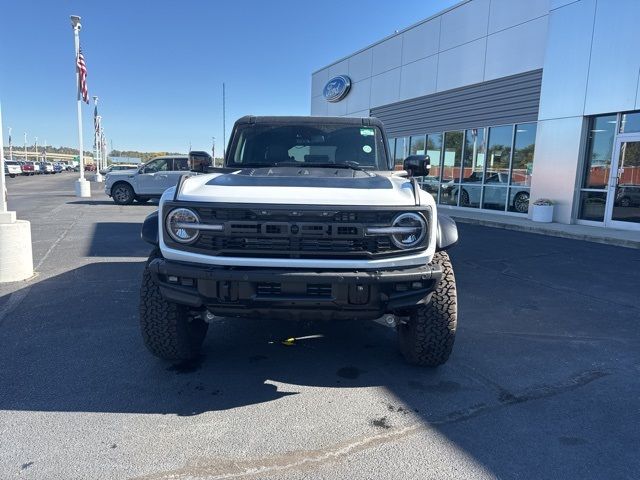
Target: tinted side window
181 164
160 165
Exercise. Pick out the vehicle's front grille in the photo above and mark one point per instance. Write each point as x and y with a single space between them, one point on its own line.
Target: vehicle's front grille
277 232
268 289
320 290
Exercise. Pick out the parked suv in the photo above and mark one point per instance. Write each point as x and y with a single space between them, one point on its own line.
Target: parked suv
307 220
147 181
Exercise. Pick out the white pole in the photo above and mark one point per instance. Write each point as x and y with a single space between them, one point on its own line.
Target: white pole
224 116
25 146
3 203
82 189
16 257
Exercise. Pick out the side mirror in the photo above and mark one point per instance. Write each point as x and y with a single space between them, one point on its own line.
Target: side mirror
417 165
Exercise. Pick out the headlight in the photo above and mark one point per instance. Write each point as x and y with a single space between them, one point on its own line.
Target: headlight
407 230
410 230
177 225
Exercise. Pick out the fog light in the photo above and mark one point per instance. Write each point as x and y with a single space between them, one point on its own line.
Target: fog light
172 279
416 285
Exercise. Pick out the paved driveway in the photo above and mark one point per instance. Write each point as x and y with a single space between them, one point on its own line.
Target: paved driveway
543 382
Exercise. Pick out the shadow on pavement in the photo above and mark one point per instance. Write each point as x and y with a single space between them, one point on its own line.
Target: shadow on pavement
117 239
73 345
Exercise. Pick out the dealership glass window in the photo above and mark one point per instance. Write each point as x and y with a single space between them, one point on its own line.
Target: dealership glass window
496 179
451 164
402 144
630 122
431 183
472 168
416 145
522 167
392 147
499 149
593 196
599 150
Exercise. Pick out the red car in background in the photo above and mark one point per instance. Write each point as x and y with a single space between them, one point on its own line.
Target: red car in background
28 168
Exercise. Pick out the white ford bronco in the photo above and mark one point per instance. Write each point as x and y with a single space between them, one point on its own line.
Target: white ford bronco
308 219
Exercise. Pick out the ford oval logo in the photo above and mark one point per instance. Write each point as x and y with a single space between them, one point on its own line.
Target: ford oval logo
337 88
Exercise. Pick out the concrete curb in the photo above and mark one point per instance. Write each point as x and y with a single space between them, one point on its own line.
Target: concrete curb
544 230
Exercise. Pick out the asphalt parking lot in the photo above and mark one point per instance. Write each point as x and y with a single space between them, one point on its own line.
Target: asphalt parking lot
543 381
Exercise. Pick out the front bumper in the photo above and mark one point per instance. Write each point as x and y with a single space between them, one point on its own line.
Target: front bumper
300 293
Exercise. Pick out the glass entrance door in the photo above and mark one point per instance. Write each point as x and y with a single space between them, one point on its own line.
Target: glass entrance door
623 203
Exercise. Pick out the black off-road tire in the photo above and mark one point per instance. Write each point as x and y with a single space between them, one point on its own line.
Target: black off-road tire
427 337
122 193
169 331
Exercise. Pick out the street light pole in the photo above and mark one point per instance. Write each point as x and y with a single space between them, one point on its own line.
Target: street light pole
25 146
10 146
35 148
83 188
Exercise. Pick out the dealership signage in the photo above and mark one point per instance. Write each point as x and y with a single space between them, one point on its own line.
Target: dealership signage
337 88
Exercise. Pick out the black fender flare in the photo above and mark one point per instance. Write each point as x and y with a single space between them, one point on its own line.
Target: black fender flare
149 231
447 235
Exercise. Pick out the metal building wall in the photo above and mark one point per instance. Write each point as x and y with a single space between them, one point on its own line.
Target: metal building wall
512 99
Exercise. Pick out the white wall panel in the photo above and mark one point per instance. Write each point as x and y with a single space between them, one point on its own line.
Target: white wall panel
385 88
508 13
555 164
358 97
517 49
419 78
360 65
337 109
318 106
463 24
421 41
461 66
361 113
566 64
615 58
340 68
387 55
318 81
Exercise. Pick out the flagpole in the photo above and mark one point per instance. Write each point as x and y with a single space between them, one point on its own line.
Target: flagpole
83 188
96 127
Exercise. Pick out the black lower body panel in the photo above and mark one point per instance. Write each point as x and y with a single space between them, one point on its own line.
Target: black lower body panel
300 293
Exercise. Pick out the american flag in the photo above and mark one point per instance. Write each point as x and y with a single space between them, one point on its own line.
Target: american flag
82 78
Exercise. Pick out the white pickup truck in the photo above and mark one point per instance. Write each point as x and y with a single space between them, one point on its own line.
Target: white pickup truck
150 180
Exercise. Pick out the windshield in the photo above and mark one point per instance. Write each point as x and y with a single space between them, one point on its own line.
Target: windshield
304 145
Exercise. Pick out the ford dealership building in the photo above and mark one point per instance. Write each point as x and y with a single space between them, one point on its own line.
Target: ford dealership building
513 100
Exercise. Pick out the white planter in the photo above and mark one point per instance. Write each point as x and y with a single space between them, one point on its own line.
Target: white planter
542 213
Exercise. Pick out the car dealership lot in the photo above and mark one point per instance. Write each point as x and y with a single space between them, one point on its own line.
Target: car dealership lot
542 383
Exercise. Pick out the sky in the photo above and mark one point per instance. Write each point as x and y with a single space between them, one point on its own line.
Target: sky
158 66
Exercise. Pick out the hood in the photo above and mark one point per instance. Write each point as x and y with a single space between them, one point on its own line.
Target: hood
300 186
122 173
